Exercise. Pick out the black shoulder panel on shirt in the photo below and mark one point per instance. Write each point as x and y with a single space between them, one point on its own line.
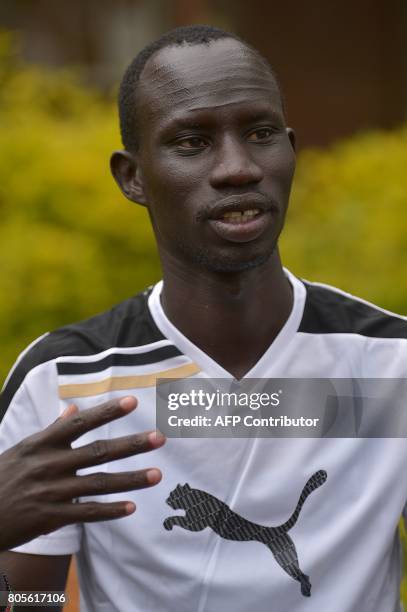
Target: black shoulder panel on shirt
330 312
125 325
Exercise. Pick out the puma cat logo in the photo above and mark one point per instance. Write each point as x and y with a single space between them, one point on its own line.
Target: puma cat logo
205 510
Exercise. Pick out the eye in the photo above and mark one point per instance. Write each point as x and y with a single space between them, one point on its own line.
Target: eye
192 143
261 134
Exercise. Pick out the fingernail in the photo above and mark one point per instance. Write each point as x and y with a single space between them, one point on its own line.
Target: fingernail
157 438
66 411
69 410
153 476
128 402
130 508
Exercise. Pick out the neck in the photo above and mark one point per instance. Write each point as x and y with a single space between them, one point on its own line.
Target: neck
232 317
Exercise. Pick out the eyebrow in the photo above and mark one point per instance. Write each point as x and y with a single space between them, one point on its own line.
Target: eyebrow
200 120
188 123
262 109
260 115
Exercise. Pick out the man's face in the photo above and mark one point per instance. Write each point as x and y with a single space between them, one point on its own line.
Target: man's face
215 156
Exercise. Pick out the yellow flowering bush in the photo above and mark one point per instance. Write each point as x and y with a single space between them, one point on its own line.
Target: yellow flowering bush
347 222
70 244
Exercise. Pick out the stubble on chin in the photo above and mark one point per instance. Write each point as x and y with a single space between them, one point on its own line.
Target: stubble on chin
203 258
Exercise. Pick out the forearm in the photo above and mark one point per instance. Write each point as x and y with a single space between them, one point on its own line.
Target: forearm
35 573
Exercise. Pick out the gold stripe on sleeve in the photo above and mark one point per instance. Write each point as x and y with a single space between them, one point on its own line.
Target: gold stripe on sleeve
117 383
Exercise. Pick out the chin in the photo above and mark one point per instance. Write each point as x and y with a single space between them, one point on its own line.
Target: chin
228 263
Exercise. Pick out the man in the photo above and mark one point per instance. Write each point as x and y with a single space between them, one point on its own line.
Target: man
208 152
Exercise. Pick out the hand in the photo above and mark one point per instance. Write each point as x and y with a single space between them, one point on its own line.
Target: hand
38 478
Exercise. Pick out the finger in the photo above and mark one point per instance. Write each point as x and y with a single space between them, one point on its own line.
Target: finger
103 483
72 427
102 451
90 512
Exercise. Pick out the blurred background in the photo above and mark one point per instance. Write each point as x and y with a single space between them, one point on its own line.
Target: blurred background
71 246
343 65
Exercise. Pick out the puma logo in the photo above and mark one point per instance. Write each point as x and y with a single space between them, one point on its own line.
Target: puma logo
205 510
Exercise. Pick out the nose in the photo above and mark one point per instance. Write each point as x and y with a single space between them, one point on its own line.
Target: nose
234 165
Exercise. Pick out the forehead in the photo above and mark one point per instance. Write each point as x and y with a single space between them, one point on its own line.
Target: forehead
189 79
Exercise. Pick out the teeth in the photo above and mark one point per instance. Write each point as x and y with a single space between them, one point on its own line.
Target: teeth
251 213
236 214
232 215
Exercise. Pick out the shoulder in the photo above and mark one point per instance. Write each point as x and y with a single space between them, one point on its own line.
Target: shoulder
329 310
128 324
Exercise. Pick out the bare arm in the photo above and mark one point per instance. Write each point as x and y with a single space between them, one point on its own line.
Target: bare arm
35 573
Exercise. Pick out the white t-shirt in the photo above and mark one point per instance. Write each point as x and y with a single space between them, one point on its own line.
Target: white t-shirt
345 533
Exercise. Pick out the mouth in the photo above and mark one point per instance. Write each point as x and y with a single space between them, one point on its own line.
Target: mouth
236 216
243 206
241 218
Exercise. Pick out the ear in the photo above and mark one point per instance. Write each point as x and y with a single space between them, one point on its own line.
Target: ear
127 174
292 138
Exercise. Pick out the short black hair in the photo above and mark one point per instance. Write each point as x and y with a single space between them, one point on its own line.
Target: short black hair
192 35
